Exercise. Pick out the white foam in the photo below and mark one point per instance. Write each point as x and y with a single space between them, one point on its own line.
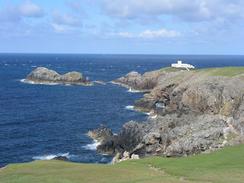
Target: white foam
51 156
48 84
154 117
92 146
37 83
150 114
133 91
26 81
130 107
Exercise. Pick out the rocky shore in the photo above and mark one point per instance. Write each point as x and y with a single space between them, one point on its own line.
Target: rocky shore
42 75
191 112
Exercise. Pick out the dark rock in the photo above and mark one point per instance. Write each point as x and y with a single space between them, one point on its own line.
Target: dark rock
109 146
101 134
61 158
130 135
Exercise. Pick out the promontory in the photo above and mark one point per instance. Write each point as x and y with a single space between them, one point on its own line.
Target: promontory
190 112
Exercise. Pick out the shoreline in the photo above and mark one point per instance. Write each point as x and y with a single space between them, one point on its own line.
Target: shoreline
32 82
170 109
156 117
128 87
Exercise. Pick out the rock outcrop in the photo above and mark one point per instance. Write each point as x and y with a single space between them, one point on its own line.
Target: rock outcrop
47 76
191 112
61 158
137 81
101 134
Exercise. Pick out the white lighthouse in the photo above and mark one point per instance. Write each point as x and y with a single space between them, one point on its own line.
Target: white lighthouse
182 65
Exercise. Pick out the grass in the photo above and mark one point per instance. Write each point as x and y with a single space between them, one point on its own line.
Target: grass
220 71
169 69
225 71
222 166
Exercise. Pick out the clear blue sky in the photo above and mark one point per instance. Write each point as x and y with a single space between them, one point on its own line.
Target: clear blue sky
122 26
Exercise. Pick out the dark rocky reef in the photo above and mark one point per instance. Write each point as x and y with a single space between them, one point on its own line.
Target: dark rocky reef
101 134
47 76
191 112
61 158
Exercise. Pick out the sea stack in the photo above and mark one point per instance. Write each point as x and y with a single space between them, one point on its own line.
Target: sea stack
42 75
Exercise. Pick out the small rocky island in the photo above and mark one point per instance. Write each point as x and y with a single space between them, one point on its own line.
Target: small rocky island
42 75
190 112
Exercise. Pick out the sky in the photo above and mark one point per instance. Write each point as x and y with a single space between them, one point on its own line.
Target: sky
122 26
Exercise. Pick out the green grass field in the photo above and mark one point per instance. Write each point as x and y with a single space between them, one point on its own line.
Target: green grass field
223 166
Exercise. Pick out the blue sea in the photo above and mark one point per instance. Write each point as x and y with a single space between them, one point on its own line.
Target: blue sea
43 121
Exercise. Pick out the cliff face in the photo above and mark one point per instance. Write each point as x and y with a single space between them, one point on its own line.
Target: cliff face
137 81
190 112
44 75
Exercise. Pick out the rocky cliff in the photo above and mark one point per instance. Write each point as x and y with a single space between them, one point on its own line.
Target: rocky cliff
190 112
44 75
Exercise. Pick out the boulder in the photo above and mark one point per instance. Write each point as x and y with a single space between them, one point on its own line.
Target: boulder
124 157
135 156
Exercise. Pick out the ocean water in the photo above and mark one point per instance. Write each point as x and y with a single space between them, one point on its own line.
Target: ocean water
43 121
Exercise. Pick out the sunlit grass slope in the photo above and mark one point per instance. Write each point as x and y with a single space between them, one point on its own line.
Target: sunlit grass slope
223 166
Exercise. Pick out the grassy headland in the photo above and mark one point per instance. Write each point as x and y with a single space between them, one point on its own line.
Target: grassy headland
223 166
218 71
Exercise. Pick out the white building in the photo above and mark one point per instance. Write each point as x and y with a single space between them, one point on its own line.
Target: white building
181 65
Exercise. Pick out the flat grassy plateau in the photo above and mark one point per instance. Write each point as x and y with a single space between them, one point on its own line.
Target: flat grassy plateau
220 71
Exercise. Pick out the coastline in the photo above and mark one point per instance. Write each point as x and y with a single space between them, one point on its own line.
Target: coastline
179 110
129 87
26 81
155 117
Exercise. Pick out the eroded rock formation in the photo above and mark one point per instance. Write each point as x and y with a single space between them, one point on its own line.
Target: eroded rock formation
47 76
191 112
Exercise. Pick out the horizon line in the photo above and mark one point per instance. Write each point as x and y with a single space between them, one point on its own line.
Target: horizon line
146 54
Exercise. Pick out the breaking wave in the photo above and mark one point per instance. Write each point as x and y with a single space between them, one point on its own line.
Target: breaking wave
36 83
130 107
92 146
133 91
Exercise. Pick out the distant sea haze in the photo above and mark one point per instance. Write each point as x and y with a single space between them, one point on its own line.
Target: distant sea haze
46 121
